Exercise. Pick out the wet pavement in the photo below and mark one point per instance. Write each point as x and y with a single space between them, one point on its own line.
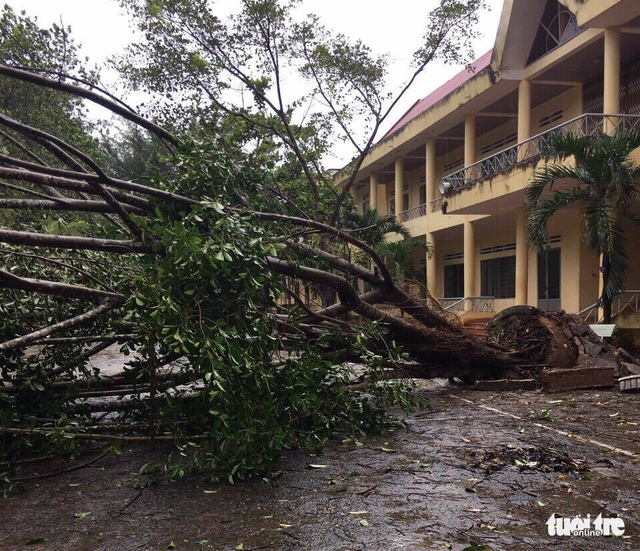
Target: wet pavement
479 467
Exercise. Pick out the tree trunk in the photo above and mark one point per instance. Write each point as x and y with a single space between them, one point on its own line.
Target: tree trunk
606 300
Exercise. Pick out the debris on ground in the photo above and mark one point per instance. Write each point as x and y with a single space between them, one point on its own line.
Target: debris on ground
530 458
560 342
559 380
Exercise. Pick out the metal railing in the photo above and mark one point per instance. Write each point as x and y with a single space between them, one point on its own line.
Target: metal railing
412 214
625 303
468 304
526 152
452 304
436 205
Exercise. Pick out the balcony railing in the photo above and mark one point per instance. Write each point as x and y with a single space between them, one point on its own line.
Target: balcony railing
533 149
627 302
411 214
468 304
436 205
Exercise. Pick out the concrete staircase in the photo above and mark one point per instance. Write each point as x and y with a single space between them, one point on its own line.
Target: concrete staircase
477 326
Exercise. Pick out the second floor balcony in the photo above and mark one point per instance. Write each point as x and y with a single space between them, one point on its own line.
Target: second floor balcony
530 151
520 155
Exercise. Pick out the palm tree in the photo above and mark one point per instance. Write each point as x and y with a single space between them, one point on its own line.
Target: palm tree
373 227
605 186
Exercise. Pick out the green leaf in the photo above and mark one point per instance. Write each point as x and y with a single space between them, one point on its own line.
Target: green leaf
82 515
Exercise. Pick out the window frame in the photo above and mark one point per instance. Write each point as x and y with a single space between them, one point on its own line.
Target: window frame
501 282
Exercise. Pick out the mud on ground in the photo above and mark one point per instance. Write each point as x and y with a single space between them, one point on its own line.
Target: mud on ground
483 467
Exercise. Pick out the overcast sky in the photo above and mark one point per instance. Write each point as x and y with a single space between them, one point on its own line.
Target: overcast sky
388 27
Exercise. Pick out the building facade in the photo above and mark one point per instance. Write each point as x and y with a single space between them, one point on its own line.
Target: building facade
454 168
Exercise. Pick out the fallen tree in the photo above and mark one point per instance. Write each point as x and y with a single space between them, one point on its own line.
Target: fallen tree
187 272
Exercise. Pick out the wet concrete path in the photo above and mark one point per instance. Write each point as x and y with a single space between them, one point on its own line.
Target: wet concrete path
481 467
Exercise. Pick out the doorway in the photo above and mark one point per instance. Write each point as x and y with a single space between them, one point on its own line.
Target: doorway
549 280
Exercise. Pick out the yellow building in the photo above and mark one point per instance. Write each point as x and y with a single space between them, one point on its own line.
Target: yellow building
556 65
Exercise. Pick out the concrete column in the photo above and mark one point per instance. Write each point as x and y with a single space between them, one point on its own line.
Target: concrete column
522 259
383 199
399 184
431 181
524 110
611 76
469 140
469 260
373 191
432 267
580 96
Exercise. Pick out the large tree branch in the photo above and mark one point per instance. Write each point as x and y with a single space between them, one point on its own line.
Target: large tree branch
76 205
104 179
348 296
58 199
76 321
113 182
33 78
12 281
32 239
70 184
324 228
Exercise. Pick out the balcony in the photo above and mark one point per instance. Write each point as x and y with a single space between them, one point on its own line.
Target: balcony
531 150
412 214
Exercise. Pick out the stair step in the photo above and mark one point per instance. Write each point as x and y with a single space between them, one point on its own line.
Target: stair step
477 327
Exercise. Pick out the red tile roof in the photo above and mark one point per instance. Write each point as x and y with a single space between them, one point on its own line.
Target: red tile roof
434 97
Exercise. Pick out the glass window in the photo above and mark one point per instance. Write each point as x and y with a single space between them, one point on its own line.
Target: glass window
454 281
498 277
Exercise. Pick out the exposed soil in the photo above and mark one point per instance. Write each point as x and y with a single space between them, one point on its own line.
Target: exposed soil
452 477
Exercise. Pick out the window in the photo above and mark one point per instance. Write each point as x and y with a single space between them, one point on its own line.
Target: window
366 203
502 143
423 194
498 277
405 201
553 117
454 281
453 165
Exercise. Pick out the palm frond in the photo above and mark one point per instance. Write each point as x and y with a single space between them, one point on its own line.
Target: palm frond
606 185
371 226
402 255
544 209
546 176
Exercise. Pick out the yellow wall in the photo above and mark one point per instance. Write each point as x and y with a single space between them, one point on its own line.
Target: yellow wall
501 196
